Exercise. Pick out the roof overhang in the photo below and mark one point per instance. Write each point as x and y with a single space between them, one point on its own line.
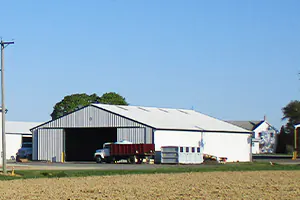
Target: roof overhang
297 126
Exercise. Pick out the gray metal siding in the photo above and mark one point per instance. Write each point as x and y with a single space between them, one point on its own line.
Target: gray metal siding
34 144
135 135
91 117
149 136
48 138
49 145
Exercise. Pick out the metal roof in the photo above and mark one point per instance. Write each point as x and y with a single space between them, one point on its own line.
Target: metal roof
248 125
172 119
15 127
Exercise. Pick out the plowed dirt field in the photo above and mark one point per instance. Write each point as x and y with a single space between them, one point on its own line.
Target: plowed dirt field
208 185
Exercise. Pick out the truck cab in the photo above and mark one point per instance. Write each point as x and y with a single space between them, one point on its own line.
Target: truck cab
101 154
25 151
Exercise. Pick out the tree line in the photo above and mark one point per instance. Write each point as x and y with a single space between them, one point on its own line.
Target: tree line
285 139
73 102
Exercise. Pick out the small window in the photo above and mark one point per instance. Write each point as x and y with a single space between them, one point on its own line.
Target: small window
187 149
181 149
198 149
193 149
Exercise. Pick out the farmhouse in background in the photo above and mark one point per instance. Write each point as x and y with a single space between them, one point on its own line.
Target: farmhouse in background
264 135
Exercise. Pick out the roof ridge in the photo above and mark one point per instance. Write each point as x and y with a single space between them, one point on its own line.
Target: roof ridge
170 108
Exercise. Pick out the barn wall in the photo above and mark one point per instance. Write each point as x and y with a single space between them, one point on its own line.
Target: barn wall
234 146
47 135
48 144
255 147
176 138
135 135
13 144
91 117
35 144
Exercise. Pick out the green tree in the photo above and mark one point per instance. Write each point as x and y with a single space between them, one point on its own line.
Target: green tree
291 113
281 141
112 98
74 102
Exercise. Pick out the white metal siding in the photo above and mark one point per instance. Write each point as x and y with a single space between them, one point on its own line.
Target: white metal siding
13 143
234 146
48 145
255 147
176 138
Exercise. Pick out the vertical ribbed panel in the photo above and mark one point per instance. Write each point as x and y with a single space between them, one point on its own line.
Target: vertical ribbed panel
135 135
48 138
35 145
149 135
91 117
50 145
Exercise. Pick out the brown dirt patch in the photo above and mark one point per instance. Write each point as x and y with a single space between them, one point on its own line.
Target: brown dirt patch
209 185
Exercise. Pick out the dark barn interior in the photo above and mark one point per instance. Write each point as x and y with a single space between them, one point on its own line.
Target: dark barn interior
26 139
81 143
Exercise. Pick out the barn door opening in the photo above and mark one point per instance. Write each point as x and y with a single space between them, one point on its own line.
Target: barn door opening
81 143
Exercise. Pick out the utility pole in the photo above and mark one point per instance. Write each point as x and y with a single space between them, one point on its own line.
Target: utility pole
3 45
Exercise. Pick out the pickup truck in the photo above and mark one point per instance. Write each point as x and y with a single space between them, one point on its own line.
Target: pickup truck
25 151
133 153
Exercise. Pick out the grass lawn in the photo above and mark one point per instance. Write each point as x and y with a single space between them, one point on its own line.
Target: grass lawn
255 166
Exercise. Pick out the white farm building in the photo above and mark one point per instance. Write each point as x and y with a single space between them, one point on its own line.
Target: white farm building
16 133
77 135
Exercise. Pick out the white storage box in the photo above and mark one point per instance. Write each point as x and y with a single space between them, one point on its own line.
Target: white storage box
181 155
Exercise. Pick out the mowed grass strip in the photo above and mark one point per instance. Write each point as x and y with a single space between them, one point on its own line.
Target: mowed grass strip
255 166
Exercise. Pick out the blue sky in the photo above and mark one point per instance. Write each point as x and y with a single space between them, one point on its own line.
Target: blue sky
234 60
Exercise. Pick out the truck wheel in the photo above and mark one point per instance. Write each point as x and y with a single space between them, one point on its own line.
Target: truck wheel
98 159
113 160
132 160
29 157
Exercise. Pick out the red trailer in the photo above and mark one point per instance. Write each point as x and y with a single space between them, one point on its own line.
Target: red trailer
133 153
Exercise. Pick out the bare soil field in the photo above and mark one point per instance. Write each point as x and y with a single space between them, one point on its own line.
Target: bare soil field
208 185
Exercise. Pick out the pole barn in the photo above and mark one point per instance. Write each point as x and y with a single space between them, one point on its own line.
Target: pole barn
76 136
